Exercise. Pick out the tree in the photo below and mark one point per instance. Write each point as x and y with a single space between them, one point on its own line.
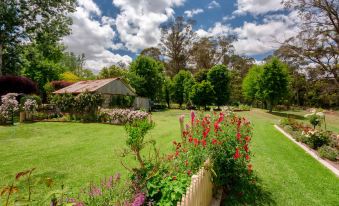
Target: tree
219 78
112 71
201 75
181 84
176 41
202 94
250 84
29 21
153 52
204 53
146 76
166 91
238 66
318 39
273 82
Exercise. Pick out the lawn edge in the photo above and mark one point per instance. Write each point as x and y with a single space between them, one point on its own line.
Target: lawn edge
309 151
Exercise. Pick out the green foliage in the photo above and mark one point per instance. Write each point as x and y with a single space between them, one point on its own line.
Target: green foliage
122 101
316 139
166 91
201 75
87 103
328 152
69 77
315 120
219 78
112 71
146 76
45 22
182 83
273 82
168 190
65 102
250 84
202 94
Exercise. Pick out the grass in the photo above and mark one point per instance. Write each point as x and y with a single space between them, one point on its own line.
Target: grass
75 154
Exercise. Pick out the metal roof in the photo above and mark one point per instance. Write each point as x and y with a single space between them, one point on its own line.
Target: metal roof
90 86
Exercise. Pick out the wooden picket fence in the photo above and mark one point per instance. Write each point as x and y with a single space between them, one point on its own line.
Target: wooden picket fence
199 193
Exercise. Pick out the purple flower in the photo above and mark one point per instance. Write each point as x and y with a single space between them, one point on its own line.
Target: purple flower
95 191
139 199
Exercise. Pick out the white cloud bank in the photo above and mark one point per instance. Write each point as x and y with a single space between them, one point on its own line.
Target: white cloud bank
257 6
93 37
213 4
138 23
255 38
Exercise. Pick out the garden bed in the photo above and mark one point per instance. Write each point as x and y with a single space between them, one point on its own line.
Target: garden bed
331 165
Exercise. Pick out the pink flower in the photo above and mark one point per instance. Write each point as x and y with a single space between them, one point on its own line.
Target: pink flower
192 117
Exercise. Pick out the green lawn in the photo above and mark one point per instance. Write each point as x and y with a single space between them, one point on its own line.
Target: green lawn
75 153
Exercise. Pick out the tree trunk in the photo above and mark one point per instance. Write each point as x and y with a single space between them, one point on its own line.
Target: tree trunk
1 50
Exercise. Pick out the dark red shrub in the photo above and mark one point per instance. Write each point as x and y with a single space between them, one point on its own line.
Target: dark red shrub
60 84
17 84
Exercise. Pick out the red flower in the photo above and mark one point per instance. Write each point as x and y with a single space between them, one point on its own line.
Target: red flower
190 139
189 172
196 141
203 142
238 136
221 117
205 133
174 177
237 154
216 126
247 157
246 148
177 153
186 163
247 139
214 141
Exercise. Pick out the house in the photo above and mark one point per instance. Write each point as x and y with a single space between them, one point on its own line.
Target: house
107 88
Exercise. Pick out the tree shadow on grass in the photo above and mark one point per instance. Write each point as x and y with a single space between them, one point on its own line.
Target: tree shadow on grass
250 194
288 115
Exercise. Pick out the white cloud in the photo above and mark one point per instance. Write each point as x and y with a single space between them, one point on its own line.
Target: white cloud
139 22
217 30
94 38
193 12
255 38
257 6
213 4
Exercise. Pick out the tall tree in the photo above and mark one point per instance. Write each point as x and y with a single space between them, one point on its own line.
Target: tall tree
181 83
146 76
176 42
273 82
112 71
219 78
318 41
250 84
28 21
204 53
202 94
153 52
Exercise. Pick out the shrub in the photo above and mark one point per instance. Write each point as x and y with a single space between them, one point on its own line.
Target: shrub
315 138
122 116
65 102
244 107
202 94
17 84
314 120
9 105
328 152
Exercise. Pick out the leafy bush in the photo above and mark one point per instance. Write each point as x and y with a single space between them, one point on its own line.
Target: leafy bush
65 102
314 120
244 107
315 138
328 152
17 84
202 94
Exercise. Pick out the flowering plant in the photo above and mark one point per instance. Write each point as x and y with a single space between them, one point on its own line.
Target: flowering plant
224 139
30 105
8 106
122 116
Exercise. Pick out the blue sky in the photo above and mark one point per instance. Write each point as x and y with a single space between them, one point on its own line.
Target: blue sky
111 31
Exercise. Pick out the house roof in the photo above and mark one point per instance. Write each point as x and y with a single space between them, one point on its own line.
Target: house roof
91 86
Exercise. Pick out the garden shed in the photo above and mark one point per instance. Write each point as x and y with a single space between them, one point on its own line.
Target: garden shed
108 88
